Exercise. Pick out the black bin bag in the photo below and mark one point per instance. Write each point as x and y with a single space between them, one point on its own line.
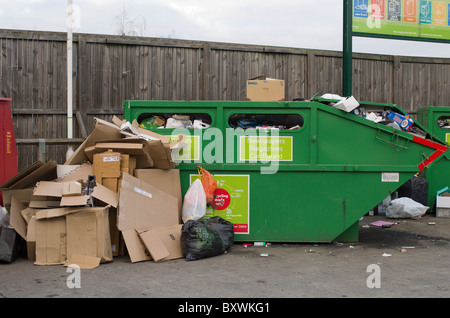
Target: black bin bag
415 188
9 245
206 237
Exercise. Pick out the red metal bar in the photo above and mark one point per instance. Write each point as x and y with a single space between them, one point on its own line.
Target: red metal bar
440 149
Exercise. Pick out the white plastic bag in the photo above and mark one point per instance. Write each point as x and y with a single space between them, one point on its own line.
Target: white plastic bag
194 205
4 217
404 208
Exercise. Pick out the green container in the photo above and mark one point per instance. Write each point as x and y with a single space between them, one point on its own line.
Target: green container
434 119
310 181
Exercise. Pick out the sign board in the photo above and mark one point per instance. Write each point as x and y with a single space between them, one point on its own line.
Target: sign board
425 20
231 201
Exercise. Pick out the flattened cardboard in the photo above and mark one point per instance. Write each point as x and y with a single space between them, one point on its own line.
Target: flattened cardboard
135 247
162 242
29 177
81 173
64 170
72 188
83 261
48 189
141 204
154 244
106 195
165 180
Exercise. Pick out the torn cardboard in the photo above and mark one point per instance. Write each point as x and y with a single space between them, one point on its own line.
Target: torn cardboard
63 232
88 233
51 237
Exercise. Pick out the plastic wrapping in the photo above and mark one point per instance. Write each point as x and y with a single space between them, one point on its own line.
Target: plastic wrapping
209 185
194 205
404 208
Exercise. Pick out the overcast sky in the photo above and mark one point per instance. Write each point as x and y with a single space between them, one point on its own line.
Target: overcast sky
289 23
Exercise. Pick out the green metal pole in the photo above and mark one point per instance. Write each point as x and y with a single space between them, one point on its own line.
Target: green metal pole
347 73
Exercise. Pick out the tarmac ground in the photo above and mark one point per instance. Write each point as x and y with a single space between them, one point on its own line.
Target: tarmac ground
409 260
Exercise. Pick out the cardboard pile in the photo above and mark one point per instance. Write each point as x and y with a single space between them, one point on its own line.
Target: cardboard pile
117 194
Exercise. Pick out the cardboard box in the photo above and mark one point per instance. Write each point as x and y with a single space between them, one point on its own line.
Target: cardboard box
63 232
443 206
165 180
51 237
107 169
266 90
404 121
136 147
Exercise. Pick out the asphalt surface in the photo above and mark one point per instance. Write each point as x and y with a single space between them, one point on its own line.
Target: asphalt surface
409 260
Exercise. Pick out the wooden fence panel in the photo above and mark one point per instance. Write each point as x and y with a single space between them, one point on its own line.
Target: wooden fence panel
110 69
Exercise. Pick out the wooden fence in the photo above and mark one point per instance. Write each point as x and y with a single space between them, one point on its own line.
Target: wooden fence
110 69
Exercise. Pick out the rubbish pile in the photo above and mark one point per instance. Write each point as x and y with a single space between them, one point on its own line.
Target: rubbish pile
116 195
177 121
444 122
386 116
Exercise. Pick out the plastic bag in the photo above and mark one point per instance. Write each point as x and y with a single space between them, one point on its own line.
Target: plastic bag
9 245
209 185
206 238
4 217
194 205
404 208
